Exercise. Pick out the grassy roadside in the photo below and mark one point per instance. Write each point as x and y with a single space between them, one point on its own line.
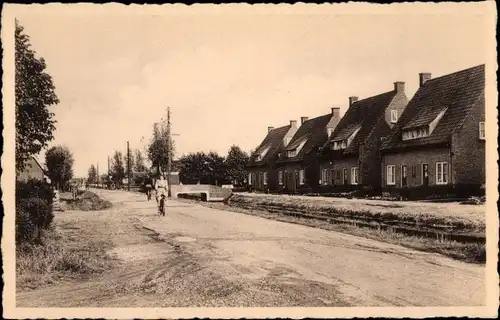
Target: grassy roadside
85 201
70 249
467 252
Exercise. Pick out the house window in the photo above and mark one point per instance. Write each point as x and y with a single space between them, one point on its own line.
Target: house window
441 172
329 132
249 179
354 175
391 175
301 176
345 176
482 132
291 153
280 177
394 116
332 177
265 178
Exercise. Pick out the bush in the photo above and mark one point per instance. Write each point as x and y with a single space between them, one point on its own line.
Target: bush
33 210
457 191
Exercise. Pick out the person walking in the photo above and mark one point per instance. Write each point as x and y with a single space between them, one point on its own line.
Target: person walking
161 187
149 187
162 205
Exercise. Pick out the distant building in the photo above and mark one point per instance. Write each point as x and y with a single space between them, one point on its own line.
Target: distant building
298 163
32 170
261 167
440 137
351 155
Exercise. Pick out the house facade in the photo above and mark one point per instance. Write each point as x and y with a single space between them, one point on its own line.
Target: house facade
261 167
351 158
32 170
297 165
439 140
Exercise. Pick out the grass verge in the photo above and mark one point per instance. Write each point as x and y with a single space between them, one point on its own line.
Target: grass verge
66 252
467 252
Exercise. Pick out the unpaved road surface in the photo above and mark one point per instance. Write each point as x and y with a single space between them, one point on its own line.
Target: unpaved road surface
202 257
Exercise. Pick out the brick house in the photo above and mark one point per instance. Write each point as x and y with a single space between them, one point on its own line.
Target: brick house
32 170
261 165
351 156
298 163
440 137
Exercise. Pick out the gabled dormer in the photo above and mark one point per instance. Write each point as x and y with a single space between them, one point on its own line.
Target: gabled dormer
422 129
343 141
262 153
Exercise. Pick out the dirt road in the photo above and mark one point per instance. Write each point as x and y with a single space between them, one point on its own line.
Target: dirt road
202 257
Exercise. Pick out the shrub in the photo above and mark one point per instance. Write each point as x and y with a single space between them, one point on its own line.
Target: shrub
33 210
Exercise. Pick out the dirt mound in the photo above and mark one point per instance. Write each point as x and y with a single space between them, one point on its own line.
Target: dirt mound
87 201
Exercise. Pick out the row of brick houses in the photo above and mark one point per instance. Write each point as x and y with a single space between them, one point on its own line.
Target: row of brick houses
384 142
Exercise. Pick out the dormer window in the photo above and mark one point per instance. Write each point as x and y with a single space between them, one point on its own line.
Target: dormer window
262 154
339 145
291 153
394 116
416 133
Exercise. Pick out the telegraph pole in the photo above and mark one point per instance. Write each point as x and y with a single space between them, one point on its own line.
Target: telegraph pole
169 151
128 167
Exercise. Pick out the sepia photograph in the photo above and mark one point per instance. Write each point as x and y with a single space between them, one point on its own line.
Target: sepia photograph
250 161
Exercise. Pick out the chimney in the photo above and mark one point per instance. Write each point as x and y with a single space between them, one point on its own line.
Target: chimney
303 119
269 129
336 112
352 100
399 87
293 123
423 77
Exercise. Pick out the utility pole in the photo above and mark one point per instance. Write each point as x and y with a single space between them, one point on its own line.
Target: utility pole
128 167
97 173
169 152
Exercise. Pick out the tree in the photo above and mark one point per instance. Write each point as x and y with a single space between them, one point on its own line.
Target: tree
140 165
236 161
92 178
35 93
59 161
158 150
117 168
202 168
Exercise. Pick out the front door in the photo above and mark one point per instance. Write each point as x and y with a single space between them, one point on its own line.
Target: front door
290 181
404 176
425 174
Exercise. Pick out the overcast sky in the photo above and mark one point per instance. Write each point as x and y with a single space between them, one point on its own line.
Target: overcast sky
227 77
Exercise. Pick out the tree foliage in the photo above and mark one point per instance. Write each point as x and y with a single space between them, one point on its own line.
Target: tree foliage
92 177
204 168
236 161
59 161
35 93
158 150
117 167
139 165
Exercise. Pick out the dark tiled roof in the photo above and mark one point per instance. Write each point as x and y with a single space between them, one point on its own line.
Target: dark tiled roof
458 92
273 140
365 114
314 132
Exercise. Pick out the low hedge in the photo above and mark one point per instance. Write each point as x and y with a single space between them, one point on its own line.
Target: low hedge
33 210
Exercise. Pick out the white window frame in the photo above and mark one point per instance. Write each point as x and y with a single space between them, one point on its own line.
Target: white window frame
482 130
423 172
390 168
354 175
323 177
345 172
280 178
441 175
250 179
394 116
301 177
264 178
